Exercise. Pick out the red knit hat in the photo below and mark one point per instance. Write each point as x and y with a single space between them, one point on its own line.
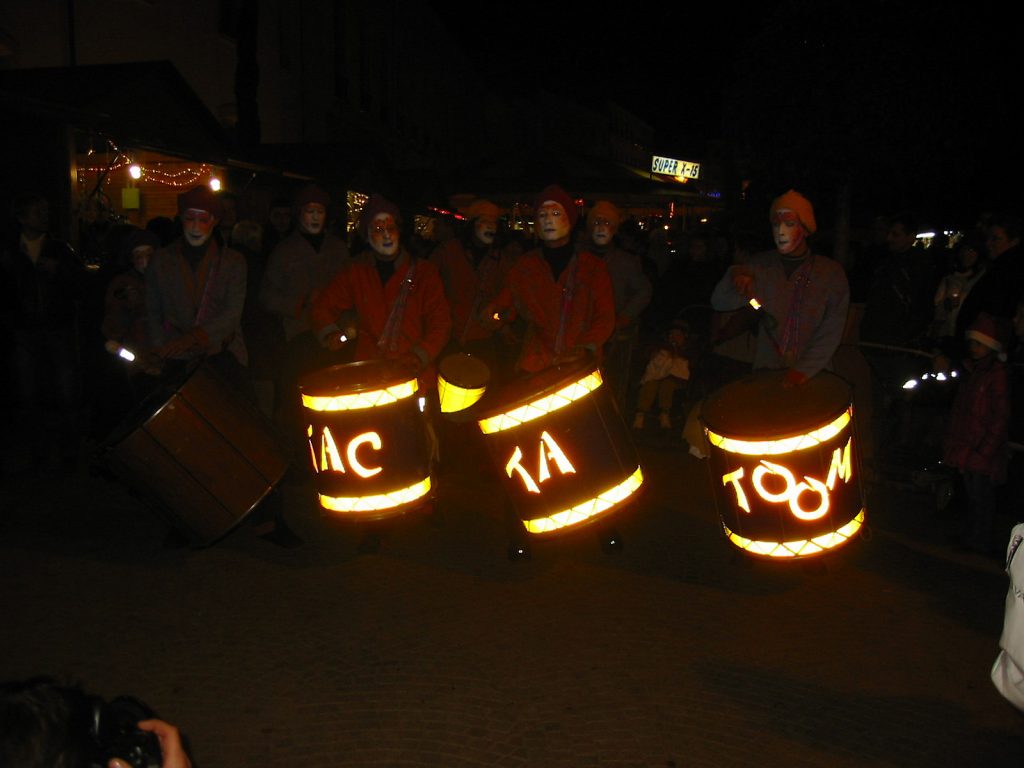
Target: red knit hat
311 193
201 198
800 205
985 330
377 204
558 195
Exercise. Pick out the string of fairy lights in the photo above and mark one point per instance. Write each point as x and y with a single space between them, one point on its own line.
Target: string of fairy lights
174 174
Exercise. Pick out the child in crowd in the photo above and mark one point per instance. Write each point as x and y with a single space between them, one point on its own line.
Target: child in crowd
667 372
977 440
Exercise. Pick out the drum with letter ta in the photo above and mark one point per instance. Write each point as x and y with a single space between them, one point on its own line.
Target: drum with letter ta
562 448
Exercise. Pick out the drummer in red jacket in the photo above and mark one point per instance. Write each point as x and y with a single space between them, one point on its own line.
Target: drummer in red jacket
564 294
389 304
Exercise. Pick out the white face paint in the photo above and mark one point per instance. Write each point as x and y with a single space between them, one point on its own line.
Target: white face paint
789 233
312 218
197 226
140 257
484 229
601 231
384 235
552 223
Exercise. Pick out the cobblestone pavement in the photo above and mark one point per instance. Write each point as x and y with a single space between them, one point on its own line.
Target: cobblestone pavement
438 651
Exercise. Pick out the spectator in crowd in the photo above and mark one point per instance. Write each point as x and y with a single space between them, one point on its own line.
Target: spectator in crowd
1000 287
667 372
977 440
968 267
40 294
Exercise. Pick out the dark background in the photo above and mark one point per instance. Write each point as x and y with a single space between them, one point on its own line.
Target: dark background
894 104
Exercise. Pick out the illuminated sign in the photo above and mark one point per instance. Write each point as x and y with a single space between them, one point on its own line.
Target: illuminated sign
680 169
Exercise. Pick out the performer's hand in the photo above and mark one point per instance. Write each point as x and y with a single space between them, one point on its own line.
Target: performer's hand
571 356
794 378
743 281
410 363
179 347
490 319
339 339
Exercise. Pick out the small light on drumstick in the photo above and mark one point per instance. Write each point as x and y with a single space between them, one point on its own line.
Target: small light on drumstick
755 303
342 338
496 316
126 354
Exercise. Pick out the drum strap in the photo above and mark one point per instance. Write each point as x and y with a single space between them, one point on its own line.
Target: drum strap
568 291
786 347
388 341
487 268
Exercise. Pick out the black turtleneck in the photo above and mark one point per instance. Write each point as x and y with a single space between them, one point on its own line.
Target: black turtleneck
192 254
384 268
558 258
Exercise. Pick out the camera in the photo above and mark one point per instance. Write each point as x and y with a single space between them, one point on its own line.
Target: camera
115 734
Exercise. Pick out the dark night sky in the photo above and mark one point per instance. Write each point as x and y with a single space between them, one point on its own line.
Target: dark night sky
664 61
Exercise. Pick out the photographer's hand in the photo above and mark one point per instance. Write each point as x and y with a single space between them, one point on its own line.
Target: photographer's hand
173 752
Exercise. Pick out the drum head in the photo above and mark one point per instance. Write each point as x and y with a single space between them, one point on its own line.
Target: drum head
465 371
351 378
526 389
759 407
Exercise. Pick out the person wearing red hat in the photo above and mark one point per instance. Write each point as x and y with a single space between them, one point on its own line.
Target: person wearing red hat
631 287
977 440
803 297
565 295
301 266
195 289
473 268
385 302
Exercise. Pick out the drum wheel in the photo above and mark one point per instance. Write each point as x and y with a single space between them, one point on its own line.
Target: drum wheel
519 551
610 540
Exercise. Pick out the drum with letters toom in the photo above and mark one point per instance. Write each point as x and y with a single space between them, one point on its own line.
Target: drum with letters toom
200 451
562 448
784 468
369 440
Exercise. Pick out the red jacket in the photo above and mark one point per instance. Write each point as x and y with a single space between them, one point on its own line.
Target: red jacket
533 292
469 288
426 322
978 436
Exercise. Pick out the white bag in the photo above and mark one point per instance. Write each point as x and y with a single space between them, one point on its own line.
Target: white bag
1008 670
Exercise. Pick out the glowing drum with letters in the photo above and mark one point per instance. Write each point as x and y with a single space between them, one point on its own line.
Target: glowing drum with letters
368 439
562 447
783 464
200 452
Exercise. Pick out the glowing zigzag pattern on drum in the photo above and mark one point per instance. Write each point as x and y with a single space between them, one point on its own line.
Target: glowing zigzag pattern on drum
358 400
798 548
357 504
785 445
587 509
542 406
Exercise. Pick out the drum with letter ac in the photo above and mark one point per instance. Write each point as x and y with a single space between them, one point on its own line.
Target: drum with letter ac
784 466
368 438
200 451
562 448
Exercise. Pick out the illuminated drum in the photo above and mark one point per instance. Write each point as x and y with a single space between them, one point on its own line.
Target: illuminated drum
783 463
200 451
368 439
562 447
461 382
